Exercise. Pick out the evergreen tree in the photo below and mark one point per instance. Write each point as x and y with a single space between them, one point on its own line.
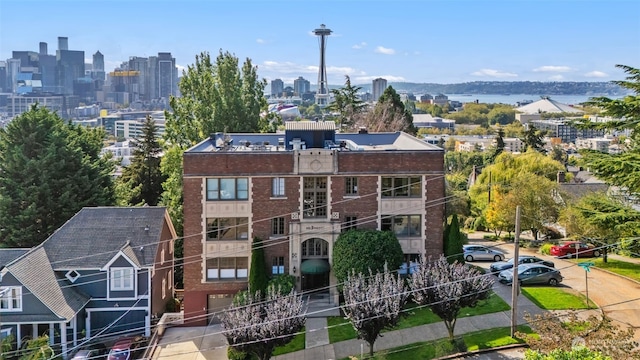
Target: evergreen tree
141 181
454 241
258 279
49 170
390 114
347 103
499 144
532 139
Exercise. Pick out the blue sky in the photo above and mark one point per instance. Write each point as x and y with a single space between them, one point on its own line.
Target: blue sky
405 40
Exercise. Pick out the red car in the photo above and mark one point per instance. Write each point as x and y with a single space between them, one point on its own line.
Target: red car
569 249
128 348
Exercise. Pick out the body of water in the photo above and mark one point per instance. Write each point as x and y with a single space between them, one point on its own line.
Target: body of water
512 99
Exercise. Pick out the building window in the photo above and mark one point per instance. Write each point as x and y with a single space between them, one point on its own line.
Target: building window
227 229
351 186
402 186
315 248
403 225
228 189
278 265
72 275
351 222
121 279
277 226
315 197
277 187
164 288
11 298
227 268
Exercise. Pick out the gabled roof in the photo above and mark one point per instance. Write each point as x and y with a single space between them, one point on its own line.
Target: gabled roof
9 255
94 235
35 273
547 105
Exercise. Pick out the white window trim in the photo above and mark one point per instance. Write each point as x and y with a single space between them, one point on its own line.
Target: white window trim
70 277
114 286
277 187
6 293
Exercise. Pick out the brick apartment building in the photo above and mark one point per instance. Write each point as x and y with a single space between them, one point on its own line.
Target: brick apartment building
297 191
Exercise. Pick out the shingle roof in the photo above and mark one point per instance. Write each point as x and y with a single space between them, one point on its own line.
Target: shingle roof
547 105
8 255
94 235
35 273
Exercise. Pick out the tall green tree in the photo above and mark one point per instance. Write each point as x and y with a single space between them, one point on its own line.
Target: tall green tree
533 139
499 144
141 181
217 96
619 169
258 279
453 241
390 114
49 170
347 103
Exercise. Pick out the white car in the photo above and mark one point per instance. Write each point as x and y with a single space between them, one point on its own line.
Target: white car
481 252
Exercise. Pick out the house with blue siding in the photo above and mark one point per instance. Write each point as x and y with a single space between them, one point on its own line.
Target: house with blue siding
106 272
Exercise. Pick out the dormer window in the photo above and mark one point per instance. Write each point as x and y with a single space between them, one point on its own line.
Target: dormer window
121 279
72 275
10 298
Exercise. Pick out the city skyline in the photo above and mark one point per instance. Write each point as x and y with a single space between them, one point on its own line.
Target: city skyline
408 40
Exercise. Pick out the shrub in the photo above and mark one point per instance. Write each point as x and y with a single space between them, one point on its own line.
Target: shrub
545 249
468 222
480 224
283 284
491 237
173 305
234 354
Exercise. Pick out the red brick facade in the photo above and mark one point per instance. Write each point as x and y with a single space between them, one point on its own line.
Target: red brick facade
261 167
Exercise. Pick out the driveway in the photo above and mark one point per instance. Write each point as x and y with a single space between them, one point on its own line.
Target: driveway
618 297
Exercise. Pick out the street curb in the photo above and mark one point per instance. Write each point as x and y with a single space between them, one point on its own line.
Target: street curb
482 351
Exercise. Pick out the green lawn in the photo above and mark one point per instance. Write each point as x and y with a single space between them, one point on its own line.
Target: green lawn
628 269
340 329
296 344
553 298
484 339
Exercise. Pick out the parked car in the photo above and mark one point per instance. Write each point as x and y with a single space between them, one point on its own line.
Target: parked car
96 351
569 248
128 348
481 252
532 274
498 266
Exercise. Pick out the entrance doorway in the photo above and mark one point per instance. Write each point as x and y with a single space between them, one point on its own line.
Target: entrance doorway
315 266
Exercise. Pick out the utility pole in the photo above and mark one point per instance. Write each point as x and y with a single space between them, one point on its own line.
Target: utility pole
515 284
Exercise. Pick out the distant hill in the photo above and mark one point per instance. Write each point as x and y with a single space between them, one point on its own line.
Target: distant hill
508 87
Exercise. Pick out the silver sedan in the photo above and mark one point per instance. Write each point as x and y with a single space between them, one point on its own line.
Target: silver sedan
481 252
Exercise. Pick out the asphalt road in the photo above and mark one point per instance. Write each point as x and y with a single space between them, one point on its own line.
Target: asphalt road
617 296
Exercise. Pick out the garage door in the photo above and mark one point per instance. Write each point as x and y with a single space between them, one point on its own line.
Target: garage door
131 322
216 304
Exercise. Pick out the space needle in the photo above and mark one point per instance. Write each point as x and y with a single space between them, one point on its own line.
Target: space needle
322 95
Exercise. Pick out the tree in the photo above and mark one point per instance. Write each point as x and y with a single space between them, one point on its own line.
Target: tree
347 103
258 279
389 114
501 115
556 333
453 241
500 212
535 195
373 303
257 326
141 181
533 139
49 170
499 144
216 97
447 288
363 250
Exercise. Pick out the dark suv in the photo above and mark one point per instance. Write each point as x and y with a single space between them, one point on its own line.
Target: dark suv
128 348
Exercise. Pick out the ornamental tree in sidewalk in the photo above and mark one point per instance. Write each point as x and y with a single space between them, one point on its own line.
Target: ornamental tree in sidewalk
258 326
373 303
447 288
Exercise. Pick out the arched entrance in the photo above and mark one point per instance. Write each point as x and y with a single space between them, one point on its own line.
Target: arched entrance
315 266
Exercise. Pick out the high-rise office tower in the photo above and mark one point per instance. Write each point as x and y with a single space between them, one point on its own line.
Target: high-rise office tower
301 86
3 76
277 86
70 66
43 48
378 87
322 96
141 65
167 75
63 43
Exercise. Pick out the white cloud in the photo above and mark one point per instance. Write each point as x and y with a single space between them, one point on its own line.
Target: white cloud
389 78
360 46
596 74
493 73
552 68
556 77
384 50
180 69
260 41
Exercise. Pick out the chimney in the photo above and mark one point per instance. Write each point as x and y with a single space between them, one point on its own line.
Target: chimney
561 177
43 48
63 43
